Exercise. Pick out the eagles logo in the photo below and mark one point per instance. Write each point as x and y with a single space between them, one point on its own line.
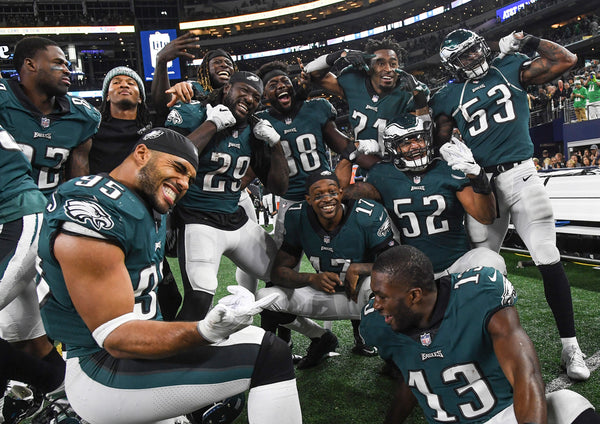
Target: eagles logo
174 117
385 228
82 211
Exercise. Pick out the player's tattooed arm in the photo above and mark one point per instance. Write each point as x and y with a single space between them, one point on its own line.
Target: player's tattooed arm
79 164
362 190
554 60
402 405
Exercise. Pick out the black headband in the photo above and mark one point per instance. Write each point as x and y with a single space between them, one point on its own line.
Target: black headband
248 78
318 176
171 142
272 74
211 54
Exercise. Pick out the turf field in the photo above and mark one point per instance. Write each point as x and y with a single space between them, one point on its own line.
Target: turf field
347 389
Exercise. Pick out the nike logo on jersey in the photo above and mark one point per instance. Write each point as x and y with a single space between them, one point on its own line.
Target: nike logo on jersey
368 309
526 178
457 177
493 279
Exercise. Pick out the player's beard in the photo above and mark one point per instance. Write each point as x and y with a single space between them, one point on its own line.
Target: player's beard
126 104
149 181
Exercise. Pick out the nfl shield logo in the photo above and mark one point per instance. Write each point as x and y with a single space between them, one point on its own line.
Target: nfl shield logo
288 121
375 98
326 239
235 134
426 339
417 179
45 122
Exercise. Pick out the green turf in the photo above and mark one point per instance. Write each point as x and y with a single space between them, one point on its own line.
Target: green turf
348 389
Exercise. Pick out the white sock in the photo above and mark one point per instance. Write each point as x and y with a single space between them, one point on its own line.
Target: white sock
274 403
568 341
306 326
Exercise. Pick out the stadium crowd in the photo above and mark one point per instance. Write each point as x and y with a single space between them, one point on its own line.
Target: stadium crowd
89 218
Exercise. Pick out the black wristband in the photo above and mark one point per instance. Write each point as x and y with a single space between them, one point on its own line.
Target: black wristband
420 100
349 152
481 183
530 43
332 57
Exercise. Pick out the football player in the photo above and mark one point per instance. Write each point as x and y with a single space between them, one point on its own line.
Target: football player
488 104
210 222
374 86
454 341
100 265
427 199
22 205
341 241
54 132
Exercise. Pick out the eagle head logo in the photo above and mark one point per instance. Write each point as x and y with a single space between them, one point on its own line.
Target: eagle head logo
84 210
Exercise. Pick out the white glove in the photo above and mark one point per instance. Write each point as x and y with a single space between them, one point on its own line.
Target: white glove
509 44
369 147
264 131
459 157
232 313
220 115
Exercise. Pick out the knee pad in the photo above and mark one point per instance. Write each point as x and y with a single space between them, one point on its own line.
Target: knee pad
545 253
490 258
273 363
565 405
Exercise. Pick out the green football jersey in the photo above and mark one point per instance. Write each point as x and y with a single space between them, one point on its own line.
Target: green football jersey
425 209
364 232
451 368
492 113
99 207
223 162
302 141
46 140
19 195
369 113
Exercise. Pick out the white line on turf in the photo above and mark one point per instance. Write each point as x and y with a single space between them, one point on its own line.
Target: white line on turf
562 381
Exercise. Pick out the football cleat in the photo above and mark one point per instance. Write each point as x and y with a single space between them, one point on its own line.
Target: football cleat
223 412
317 350
571 359
408 141
465 54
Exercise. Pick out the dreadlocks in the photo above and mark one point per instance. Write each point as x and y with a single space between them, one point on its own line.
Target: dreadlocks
203 70
142 117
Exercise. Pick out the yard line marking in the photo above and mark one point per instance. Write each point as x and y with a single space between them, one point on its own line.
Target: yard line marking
562 381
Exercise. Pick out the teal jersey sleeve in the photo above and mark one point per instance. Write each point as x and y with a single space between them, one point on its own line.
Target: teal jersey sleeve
186 117
492 113
293 223
425 209
88 115
46 140
452 368
100 208
19 195
376 227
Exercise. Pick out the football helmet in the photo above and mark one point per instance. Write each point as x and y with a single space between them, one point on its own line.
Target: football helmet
465 54
408 141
